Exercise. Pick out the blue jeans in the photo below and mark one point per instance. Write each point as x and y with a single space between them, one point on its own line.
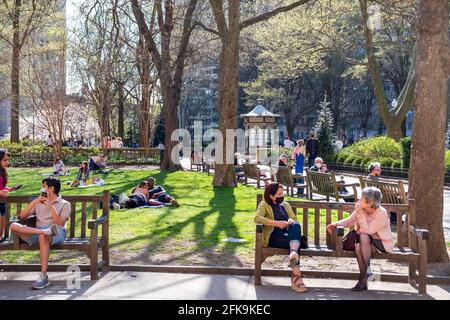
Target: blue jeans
34 238
282 238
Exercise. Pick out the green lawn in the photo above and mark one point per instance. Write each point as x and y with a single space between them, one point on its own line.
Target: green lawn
189 235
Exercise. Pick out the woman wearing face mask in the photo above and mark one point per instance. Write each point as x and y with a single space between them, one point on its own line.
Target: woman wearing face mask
317 165
281 229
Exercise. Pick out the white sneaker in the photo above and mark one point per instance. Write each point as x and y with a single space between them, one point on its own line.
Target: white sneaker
370 275
123 198
116 206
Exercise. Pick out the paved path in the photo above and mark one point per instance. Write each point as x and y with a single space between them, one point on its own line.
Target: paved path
135 285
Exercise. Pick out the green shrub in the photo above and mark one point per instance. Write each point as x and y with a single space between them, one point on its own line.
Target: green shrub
333 158
386 162
341 158
405 144
350 159
374 148
447 160
396 164
357 161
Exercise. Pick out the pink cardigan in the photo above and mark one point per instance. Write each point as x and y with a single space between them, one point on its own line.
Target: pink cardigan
377 225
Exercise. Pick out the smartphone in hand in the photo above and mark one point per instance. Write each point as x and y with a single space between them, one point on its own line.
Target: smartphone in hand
16 187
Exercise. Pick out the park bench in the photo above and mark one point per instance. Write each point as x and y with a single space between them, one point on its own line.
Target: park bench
286 178
82 218
251 171
325 184
392 192
330 245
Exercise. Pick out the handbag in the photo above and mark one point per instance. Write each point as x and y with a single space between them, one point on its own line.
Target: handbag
349 241
29 222
303 242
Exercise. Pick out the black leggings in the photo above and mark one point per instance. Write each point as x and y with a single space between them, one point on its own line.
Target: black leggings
135 201
281 238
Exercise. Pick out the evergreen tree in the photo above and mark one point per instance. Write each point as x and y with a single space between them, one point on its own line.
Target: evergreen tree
324 130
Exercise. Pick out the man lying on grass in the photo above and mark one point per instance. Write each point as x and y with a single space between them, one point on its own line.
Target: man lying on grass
51 212
146 194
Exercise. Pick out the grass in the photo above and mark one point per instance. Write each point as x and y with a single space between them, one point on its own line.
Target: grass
189 235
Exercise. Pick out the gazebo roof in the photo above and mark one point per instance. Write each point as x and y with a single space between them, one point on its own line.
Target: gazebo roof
259 111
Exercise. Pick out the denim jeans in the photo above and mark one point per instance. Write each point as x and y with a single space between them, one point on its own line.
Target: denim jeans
281 238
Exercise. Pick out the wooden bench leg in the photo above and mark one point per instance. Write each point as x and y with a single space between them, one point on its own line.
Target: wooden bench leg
93 254
423 266
412 277
258 256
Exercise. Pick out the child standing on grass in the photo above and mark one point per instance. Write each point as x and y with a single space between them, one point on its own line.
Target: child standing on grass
4 163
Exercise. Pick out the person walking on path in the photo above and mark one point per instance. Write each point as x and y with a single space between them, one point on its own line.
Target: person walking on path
312 149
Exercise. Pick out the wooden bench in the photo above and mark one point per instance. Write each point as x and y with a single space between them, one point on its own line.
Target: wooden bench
84 208
325 184
251 171
392 192
330 245
284 176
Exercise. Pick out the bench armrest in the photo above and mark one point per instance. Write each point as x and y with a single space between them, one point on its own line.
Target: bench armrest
259 228
351 185
340 231
93 224
421 234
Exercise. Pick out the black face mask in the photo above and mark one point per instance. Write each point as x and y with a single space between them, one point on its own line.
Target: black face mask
279 200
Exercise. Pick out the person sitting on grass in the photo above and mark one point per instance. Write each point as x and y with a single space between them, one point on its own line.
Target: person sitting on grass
59 168
158 193
83 174
281 229
138 198
52 213
373 232
97 163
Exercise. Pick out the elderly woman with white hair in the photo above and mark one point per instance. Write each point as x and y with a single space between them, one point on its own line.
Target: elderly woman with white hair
372 225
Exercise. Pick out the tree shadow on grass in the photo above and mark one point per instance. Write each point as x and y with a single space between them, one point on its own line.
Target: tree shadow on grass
224 203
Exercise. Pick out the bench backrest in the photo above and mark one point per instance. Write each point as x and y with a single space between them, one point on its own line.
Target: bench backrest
322 183
312 215
83 209
251 170
392 192
284 176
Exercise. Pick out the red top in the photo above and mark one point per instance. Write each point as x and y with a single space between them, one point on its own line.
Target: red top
3 184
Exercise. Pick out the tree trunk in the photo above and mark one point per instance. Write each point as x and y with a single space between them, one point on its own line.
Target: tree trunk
224 174
120 111
392 119
15 75
427 186
170 122
394 129
144 131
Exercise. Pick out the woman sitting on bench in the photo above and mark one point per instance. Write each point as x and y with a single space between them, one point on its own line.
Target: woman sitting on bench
281 229
373 232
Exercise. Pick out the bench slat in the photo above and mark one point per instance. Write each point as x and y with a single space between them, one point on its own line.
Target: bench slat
73 210
305 221
317 227
328 221
83 219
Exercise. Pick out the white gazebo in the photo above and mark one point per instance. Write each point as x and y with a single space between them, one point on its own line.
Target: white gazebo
258 124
